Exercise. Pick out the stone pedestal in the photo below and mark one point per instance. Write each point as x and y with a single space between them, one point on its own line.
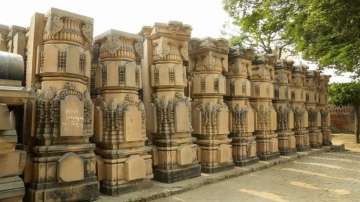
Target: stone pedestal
124 162
297 100
262 93
62 163
12 161
241 121
314 116
285 114
210 116
169 111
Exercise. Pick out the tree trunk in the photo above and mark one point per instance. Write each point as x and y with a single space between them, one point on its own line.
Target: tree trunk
357 123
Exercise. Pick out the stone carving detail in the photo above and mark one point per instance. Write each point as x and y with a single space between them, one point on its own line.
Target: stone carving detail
54 24
87 31
48 112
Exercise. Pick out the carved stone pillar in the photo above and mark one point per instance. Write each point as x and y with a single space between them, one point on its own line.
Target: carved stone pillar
210 115
314 115
241 113
297 100
62 162
262 93
166 60
324 109
285 114
124 162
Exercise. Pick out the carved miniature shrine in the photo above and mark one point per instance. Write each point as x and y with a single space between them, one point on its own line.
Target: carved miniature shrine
119 114
210 115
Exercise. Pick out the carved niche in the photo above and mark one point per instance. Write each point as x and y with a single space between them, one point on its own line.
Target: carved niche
66 112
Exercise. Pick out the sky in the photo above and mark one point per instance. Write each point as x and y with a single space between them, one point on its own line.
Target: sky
206 17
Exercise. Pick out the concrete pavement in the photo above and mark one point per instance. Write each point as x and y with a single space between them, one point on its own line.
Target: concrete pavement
332 176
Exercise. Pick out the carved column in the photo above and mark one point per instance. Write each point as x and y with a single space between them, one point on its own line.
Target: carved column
262 93
297 100
314 115
241 113
324 109
62 160
285 114
210 114
124 162
166 60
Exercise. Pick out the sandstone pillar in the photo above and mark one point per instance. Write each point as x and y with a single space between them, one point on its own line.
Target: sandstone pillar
262 93
169 114
241 113
62 162
324 109
210 115
285 114
314 116
124 162
297 100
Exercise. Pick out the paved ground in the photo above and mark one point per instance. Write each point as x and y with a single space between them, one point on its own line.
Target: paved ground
333 176
348 139
326 177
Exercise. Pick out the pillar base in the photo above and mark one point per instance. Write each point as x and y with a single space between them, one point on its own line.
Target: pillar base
246 162
302 148
11 189
266 157
174 175
114 190
70 191
287 152
222 167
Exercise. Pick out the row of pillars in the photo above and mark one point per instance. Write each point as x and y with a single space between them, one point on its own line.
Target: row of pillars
123 109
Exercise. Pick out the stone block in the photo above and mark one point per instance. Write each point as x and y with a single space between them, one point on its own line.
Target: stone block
70 168
135 168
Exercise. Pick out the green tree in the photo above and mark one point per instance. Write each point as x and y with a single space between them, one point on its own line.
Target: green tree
261 22
324 31
342 94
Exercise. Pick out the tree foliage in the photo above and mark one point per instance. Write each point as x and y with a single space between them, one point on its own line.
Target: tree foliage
325 31
342 94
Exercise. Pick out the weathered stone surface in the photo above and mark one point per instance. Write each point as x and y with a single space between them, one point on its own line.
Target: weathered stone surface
71 116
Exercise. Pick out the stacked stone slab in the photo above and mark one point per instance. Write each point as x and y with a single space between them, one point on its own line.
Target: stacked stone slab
285 114
262 93
124 162
297 100
324 109
241 113
210 115
169 111
12 161
62 160
314 115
